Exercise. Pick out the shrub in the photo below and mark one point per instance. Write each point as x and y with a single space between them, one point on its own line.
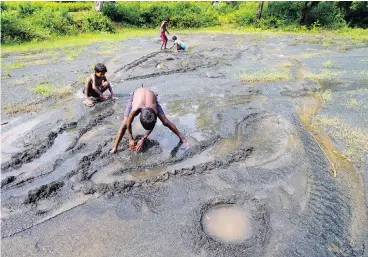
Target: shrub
96 21
14 30
55 22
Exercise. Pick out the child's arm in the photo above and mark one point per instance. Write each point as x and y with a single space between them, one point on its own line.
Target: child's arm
139 146
129 130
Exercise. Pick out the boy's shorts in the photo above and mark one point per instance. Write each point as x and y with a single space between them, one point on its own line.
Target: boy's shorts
163 37
181 47
128 109
92 92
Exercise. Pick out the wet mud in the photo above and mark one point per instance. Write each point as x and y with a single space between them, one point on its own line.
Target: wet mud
260 176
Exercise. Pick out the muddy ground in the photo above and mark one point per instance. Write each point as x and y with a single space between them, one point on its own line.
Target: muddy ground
276 125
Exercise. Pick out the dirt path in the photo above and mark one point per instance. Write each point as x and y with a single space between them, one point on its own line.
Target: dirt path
267 119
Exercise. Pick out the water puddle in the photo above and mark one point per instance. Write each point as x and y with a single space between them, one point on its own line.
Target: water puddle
61 143
227 223
59 172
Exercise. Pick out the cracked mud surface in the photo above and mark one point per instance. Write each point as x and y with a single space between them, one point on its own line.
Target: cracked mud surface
64 194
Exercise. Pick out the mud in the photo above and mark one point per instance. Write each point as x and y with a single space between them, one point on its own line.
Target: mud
268 153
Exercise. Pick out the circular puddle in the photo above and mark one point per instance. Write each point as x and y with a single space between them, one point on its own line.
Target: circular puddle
227 223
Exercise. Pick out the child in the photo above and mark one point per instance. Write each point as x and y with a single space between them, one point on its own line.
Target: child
179 45
96 85
144 102
163 29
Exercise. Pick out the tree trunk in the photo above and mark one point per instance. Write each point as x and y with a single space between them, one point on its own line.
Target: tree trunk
259 12
98 5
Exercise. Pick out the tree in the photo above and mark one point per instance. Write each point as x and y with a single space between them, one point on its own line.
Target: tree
259 12
305 9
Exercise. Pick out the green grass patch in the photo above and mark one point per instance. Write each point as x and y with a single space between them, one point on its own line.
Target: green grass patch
352 103
323 75
122 34
11 66
47 90
15 108
308 55
286 64
329 64
356 139
324 96
265 76
79 40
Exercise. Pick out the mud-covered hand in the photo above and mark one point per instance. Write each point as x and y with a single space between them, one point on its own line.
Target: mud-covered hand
113 150
139 145
131 144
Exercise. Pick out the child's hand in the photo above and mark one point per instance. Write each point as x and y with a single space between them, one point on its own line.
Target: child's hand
139 145
113 150
131 144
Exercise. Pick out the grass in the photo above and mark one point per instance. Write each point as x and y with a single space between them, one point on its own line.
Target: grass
79 40
364 61
356 139
264 76
47 90
324 96
17 108
286 64
308 55
12 66
329 64
359 35
323 75
352 103
72 53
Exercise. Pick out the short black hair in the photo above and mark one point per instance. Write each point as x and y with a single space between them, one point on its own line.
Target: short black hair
174 38
148 118
100 67
167 19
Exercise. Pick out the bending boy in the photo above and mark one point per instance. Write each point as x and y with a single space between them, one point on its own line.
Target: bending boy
96 85
178 43
143 101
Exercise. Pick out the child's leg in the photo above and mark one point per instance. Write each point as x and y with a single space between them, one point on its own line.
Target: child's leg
106 85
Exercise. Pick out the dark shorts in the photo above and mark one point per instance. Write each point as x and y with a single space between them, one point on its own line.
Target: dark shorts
92 92
128 109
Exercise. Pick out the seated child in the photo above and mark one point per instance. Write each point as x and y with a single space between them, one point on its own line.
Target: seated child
96 85
179 45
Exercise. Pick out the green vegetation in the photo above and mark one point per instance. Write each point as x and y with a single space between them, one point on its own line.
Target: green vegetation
18 108
47 90
323 75
329 64
356 139
39 21
264 76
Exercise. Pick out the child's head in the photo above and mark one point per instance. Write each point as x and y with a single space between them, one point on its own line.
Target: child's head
100 69
167 19
148 118
174 38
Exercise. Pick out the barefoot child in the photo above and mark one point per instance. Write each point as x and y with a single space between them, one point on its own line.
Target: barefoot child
163 29
96 85
179 44
143 101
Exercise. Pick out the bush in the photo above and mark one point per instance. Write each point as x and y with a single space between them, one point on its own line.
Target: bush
182 14
15 30
246 14
96 21
55 22
327 15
